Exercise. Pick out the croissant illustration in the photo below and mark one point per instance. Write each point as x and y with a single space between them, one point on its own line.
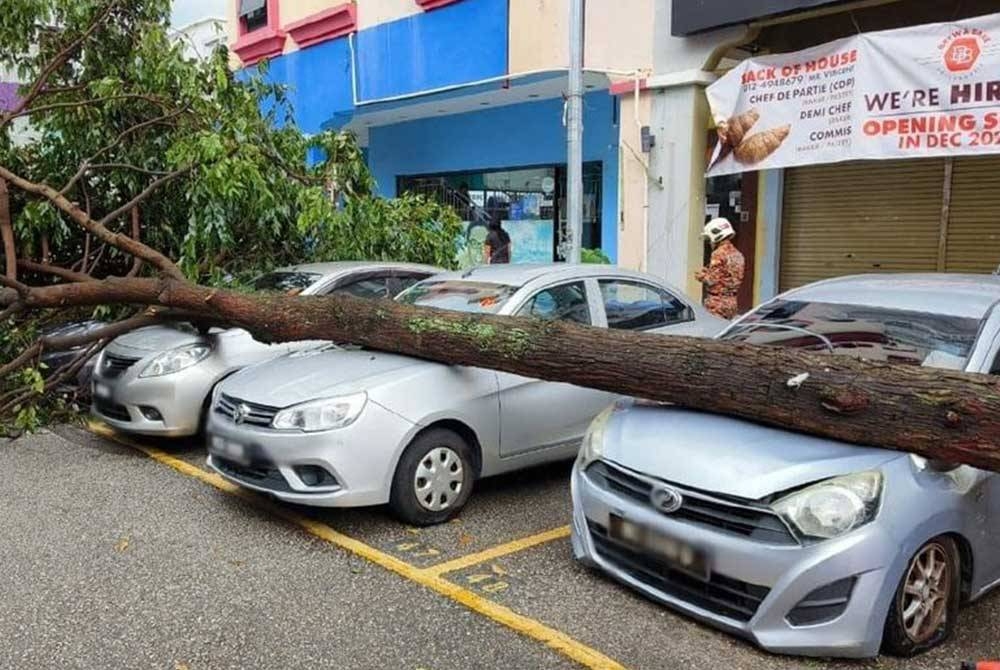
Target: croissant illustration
732 131
735 129
759 146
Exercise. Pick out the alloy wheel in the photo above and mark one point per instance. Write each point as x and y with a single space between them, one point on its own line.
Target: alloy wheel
926 592
437 482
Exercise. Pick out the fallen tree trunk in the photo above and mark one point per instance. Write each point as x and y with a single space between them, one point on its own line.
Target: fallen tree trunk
950 416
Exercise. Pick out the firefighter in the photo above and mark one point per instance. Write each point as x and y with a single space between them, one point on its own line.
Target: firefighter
724 274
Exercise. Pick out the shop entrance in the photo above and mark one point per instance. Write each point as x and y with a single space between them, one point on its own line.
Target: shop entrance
530 203
735 198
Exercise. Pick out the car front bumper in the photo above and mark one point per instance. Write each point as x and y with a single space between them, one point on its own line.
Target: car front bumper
361 458
124 400
784 575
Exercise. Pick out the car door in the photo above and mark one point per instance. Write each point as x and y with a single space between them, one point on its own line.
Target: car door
535 414
988 500
372 287
631 304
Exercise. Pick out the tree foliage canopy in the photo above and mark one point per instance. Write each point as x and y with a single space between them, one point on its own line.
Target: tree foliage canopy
203 165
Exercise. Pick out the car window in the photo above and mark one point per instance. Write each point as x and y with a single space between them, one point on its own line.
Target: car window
861 331
284 282
403 282
370 287
566 302
635 306
458 295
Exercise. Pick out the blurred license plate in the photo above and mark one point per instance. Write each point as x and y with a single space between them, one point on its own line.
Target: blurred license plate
101 391
674 553
234 451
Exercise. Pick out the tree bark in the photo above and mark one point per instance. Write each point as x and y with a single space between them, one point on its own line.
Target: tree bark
950 416
136 235
7 232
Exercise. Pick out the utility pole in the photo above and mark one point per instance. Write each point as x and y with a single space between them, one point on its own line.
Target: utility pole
574 133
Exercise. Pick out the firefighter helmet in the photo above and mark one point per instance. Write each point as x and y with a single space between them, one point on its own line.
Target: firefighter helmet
718 229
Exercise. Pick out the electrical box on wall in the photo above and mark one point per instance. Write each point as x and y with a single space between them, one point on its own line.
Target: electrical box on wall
648 139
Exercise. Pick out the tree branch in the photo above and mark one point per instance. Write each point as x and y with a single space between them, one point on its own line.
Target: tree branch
68 104
97 228
136 234
54 270
57 61
85 165
23 290
145 193
127 166
33 351
7 231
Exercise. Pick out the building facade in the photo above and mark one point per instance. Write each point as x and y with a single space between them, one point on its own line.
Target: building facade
201 37
805 223
463 100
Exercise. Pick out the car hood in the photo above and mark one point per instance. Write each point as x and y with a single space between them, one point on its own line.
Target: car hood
157 338
726 455
318 373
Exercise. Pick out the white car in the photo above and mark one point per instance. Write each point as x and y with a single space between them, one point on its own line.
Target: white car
158 380
353 427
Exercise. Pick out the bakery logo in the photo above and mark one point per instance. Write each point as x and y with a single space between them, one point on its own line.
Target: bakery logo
960 51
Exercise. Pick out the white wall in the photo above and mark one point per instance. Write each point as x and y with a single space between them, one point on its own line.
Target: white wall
201 37
680 121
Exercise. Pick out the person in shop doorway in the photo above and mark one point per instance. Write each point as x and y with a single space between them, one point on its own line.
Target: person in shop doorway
497 248
724 274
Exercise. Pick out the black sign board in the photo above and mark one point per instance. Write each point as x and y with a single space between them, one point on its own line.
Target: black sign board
693 16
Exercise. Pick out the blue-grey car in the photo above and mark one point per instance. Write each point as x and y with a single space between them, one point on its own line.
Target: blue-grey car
801 544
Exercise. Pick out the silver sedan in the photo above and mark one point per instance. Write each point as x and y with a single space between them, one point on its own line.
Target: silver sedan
805 545
158 380
344 427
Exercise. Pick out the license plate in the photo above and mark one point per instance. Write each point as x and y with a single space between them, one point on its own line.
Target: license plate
101 391
674 553
234 451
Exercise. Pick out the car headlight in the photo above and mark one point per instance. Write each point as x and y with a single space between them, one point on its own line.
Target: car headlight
176 360
593 440
325 414
835 506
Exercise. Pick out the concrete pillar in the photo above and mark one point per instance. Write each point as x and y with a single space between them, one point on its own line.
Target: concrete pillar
633 184
677 209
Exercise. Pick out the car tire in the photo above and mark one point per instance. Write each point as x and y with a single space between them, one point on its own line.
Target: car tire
433 479
924 608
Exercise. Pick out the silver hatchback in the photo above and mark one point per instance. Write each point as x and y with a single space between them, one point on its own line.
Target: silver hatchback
804 545
341 427
157 380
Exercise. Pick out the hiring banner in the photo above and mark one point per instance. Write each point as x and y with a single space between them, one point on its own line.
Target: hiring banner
929 90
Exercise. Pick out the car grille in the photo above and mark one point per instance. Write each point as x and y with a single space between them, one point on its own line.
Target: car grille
114 365
262 475
111 410
253 414
734 516
718 594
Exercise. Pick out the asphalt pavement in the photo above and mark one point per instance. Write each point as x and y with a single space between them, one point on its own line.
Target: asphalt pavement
115 559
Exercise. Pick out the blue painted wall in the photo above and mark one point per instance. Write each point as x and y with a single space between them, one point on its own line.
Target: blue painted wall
462 42
319 81
526 134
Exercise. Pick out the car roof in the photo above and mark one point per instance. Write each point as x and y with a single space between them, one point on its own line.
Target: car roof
338 267
965 295
520 274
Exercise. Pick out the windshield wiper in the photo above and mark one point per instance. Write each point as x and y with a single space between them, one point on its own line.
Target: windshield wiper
784 326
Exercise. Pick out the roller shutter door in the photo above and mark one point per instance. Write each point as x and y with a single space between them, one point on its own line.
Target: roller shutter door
872 216
973 234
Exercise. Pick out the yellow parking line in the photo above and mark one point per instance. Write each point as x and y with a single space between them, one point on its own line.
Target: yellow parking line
428 578
511 547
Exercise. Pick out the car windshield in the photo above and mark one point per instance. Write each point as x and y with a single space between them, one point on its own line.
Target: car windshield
861 331
459 296
283 281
